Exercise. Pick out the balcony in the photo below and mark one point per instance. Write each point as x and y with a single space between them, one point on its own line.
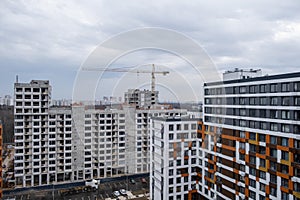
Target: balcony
44 151
28 133
28 152
68 144
28 166
44 158
59 124
29 146
36 100
28 125
60 143
60 150
59 138
19 140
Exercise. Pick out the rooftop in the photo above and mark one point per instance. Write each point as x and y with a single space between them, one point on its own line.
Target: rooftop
176 119
261 78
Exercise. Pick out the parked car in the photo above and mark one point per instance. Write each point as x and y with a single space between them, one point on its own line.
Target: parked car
132 181
92 183
123 192
116 193
143 180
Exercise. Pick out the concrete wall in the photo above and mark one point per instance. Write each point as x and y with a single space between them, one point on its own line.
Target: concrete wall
7 118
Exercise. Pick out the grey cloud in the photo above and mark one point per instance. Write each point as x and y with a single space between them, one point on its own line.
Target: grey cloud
234 33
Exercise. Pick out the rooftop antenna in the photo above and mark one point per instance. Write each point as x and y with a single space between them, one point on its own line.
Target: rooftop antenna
17 79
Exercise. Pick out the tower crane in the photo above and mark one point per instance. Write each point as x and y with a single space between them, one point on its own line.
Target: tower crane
153 72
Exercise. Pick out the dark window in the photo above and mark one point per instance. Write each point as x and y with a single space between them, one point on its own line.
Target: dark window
262 137
252 148
252 160
242 112
242 100
262 162
207 101
262 187
297 87
242 89
284 155
284 182
242 134
274 127
252 183
285 101
207 92
284 169
242 156
273 153
285 87
262 113
273 87
262 88
274 114
273 191
285 128
252 124
284 196
273 179
252 101
252 194
273 166
274 101
252 136
285 114
263 125
297 101
252 171
262 175
243 123
262 150
252 89
261 197
262 100
284 142
273 140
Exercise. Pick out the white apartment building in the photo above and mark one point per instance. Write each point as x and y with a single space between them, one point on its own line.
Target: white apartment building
6 100
42 137
113 142
141 98
258 150
248 146
175 158
57 144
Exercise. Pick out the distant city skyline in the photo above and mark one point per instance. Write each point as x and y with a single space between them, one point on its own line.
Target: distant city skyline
49 41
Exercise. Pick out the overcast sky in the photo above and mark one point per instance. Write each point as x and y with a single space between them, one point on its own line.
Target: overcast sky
51 39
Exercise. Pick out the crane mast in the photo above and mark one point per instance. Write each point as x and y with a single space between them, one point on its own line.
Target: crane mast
153 79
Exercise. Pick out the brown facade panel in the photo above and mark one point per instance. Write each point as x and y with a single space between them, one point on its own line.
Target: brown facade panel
228 152
228 173
228 183
228 194
229 132
228 163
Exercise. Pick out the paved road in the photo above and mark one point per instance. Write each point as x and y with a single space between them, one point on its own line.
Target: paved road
105 191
